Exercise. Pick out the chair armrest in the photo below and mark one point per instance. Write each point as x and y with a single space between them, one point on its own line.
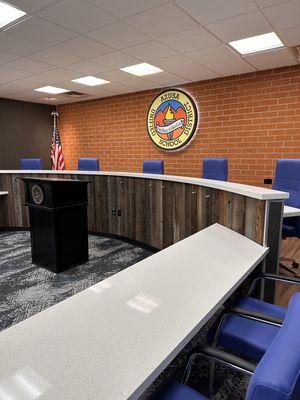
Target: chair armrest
273 277
230 360
255 315
248 314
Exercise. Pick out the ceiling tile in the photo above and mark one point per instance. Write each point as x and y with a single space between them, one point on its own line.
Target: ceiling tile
83 47
284 15
14 73
116 60
172 63
291 36
41 31
17 45
162 21
271 59
16 86
77 15
123 9
32 5
140 84
118 35
6 57
215 10
268 3
167 79
149 51
196 74
184 67
212 55
233 66
53 76
116 88
25 64
190 40
88 67
5 79
54 57
240 27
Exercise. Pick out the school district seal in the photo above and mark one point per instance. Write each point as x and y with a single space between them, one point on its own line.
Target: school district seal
172 119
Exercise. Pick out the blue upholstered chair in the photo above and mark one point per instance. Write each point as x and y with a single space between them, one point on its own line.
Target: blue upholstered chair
276 376
153 167
31 163
215 168
250 325
287 179
88 164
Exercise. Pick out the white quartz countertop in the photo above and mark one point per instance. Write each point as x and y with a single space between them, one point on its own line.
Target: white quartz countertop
113 339
289 211
246 190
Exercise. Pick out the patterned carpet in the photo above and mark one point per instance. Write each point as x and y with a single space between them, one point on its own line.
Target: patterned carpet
26 289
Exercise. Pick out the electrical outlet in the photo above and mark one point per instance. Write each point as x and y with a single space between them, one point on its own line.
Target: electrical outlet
114 211
268 181
119 213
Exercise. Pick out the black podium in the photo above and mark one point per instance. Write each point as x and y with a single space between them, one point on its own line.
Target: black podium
58 222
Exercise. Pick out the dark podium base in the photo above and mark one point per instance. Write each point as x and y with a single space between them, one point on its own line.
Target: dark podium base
59 240
58 222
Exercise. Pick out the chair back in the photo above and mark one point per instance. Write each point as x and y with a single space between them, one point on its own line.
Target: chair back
277 376
215 168
88 164
287 179
153 167
31 163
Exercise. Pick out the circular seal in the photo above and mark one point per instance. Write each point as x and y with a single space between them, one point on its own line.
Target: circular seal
172 119
37 194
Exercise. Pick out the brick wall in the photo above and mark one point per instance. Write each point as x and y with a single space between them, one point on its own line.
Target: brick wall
252 119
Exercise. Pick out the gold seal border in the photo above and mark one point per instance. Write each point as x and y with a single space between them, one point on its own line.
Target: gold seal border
192 134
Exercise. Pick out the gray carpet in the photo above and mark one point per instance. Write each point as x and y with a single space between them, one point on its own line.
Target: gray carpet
26 289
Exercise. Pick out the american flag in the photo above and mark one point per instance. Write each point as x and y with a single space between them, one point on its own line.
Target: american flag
57 157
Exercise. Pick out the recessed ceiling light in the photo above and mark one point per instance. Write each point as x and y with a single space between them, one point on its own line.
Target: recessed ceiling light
90 81
141 69
8 14
254 44
51 90
49 98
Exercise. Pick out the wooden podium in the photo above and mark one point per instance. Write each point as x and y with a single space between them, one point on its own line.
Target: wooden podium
58 222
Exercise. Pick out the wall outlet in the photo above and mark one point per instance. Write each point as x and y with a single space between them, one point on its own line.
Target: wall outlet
268 181
114 211
119 213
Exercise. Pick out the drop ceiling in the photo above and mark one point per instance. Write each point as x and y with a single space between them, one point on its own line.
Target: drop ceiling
63 40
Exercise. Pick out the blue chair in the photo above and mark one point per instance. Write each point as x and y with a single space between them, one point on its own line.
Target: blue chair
31 163
88 164
153 167
250 325
215 168
276 376
287 179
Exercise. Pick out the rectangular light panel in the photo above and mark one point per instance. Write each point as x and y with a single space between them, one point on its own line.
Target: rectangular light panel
9 14
254 44
51 90
142 69
90 81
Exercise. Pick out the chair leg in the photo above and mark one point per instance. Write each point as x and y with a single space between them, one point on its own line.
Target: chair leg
287 269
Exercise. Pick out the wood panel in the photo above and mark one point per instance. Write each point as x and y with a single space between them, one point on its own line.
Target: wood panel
154 212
